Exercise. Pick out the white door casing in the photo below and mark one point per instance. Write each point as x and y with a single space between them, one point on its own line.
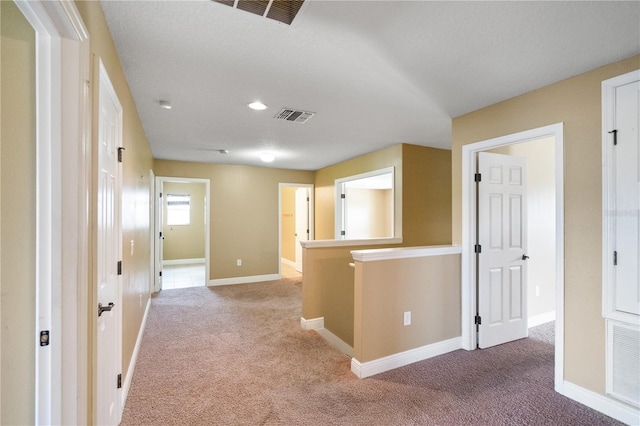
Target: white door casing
302 223
158 236
502 235
109 239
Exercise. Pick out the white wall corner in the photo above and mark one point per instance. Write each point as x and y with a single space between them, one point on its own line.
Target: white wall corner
602 403
335 341
312 324
380 365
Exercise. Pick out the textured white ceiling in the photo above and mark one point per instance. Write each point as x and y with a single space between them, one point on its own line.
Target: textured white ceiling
377 73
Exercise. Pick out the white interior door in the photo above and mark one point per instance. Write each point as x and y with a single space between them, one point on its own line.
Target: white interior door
502 236
302 223
109 254
626 199
159 238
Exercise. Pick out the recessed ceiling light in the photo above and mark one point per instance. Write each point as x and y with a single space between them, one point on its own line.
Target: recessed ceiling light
165 104
267 157
258 106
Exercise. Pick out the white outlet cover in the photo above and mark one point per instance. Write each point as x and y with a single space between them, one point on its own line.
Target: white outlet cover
407 318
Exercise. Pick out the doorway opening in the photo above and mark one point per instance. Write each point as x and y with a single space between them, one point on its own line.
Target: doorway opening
296 224
182 233
469 229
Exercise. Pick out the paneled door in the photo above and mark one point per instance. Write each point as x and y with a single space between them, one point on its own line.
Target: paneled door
109 255
502 242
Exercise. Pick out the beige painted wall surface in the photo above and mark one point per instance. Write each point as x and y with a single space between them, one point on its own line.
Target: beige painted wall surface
325 187
428 287
136 185
185 241
426 196
327 288
288 223
577 103
369 213
541 223
17 216
244 213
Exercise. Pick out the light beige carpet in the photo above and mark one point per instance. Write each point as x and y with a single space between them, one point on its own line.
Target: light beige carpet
236 355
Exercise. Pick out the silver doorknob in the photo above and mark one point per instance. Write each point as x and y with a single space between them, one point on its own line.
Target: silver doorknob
525 257
107 308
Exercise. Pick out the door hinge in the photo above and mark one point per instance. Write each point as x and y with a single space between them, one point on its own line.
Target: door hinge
477 177
343 232
119 267
120 150
615 258
44 338
308 199
615 136
119 381
477 249
160 273
161 195
477 320
343 195
160 234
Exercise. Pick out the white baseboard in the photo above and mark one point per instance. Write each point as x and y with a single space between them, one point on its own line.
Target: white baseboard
134 357
183 261
288 262
380 365
243 280
541 319
606 405
317 324
312 324
336 342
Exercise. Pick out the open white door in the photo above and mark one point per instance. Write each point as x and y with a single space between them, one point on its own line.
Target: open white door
159 238
502 239
302 223
109 255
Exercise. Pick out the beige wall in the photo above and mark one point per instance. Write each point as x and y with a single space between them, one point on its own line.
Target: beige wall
428 287
136 186
426 196
185 241
541 221
288 221
17 217
577 103
369 213
244 213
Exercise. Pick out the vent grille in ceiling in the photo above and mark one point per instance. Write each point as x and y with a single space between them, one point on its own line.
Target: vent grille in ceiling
279 10
296 116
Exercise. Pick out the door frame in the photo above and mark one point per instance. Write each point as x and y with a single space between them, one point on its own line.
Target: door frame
63 151
469 264
160 180
308 186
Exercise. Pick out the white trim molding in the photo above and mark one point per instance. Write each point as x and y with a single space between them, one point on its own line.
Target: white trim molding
403 253
348 243
312 324
602 403
198 260
537 320
243 280
380 365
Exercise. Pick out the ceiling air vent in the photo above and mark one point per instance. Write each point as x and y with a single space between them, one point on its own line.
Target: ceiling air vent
297 116
279 10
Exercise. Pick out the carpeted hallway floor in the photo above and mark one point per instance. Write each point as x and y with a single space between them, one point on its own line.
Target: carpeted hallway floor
236 355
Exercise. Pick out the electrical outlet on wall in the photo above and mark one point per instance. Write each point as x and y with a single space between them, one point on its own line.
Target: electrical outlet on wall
537 290
407 318
238 262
